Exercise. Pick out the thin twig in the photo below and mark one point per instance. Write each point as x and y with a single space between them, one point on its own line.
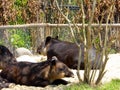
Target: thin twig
102 72
69 22
79 63
83 23
89 45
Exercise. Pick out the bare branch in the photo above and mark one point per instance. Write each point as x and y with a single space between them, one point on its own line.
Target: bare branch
105 54
69 22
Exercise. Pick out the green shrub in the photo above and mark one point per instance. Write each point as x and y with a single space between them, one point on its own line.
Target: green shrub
20 38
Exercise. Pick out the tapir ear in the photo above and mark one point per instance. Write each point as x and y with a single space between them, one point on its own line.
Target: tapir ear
56 37
47 40
0 49
54 60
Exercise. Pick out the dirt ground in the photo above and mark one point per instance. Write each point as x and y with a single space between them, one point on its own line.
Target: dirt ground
23 87
112 67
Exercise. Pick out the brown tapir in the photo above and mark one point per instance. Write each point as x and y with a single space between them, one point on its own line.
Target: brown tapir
33 74
67 52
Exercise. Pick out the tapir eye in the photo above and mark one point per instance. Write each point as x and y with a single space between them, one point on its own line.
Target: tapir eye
61 69
5 53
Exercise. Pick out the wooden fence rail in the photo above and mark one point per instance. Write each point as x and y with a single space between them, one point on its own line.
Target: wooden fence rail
51 25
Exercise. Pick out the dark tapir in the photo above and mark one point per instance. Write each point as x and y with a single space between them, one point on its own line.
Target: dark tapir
66 52
35 74
6 56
